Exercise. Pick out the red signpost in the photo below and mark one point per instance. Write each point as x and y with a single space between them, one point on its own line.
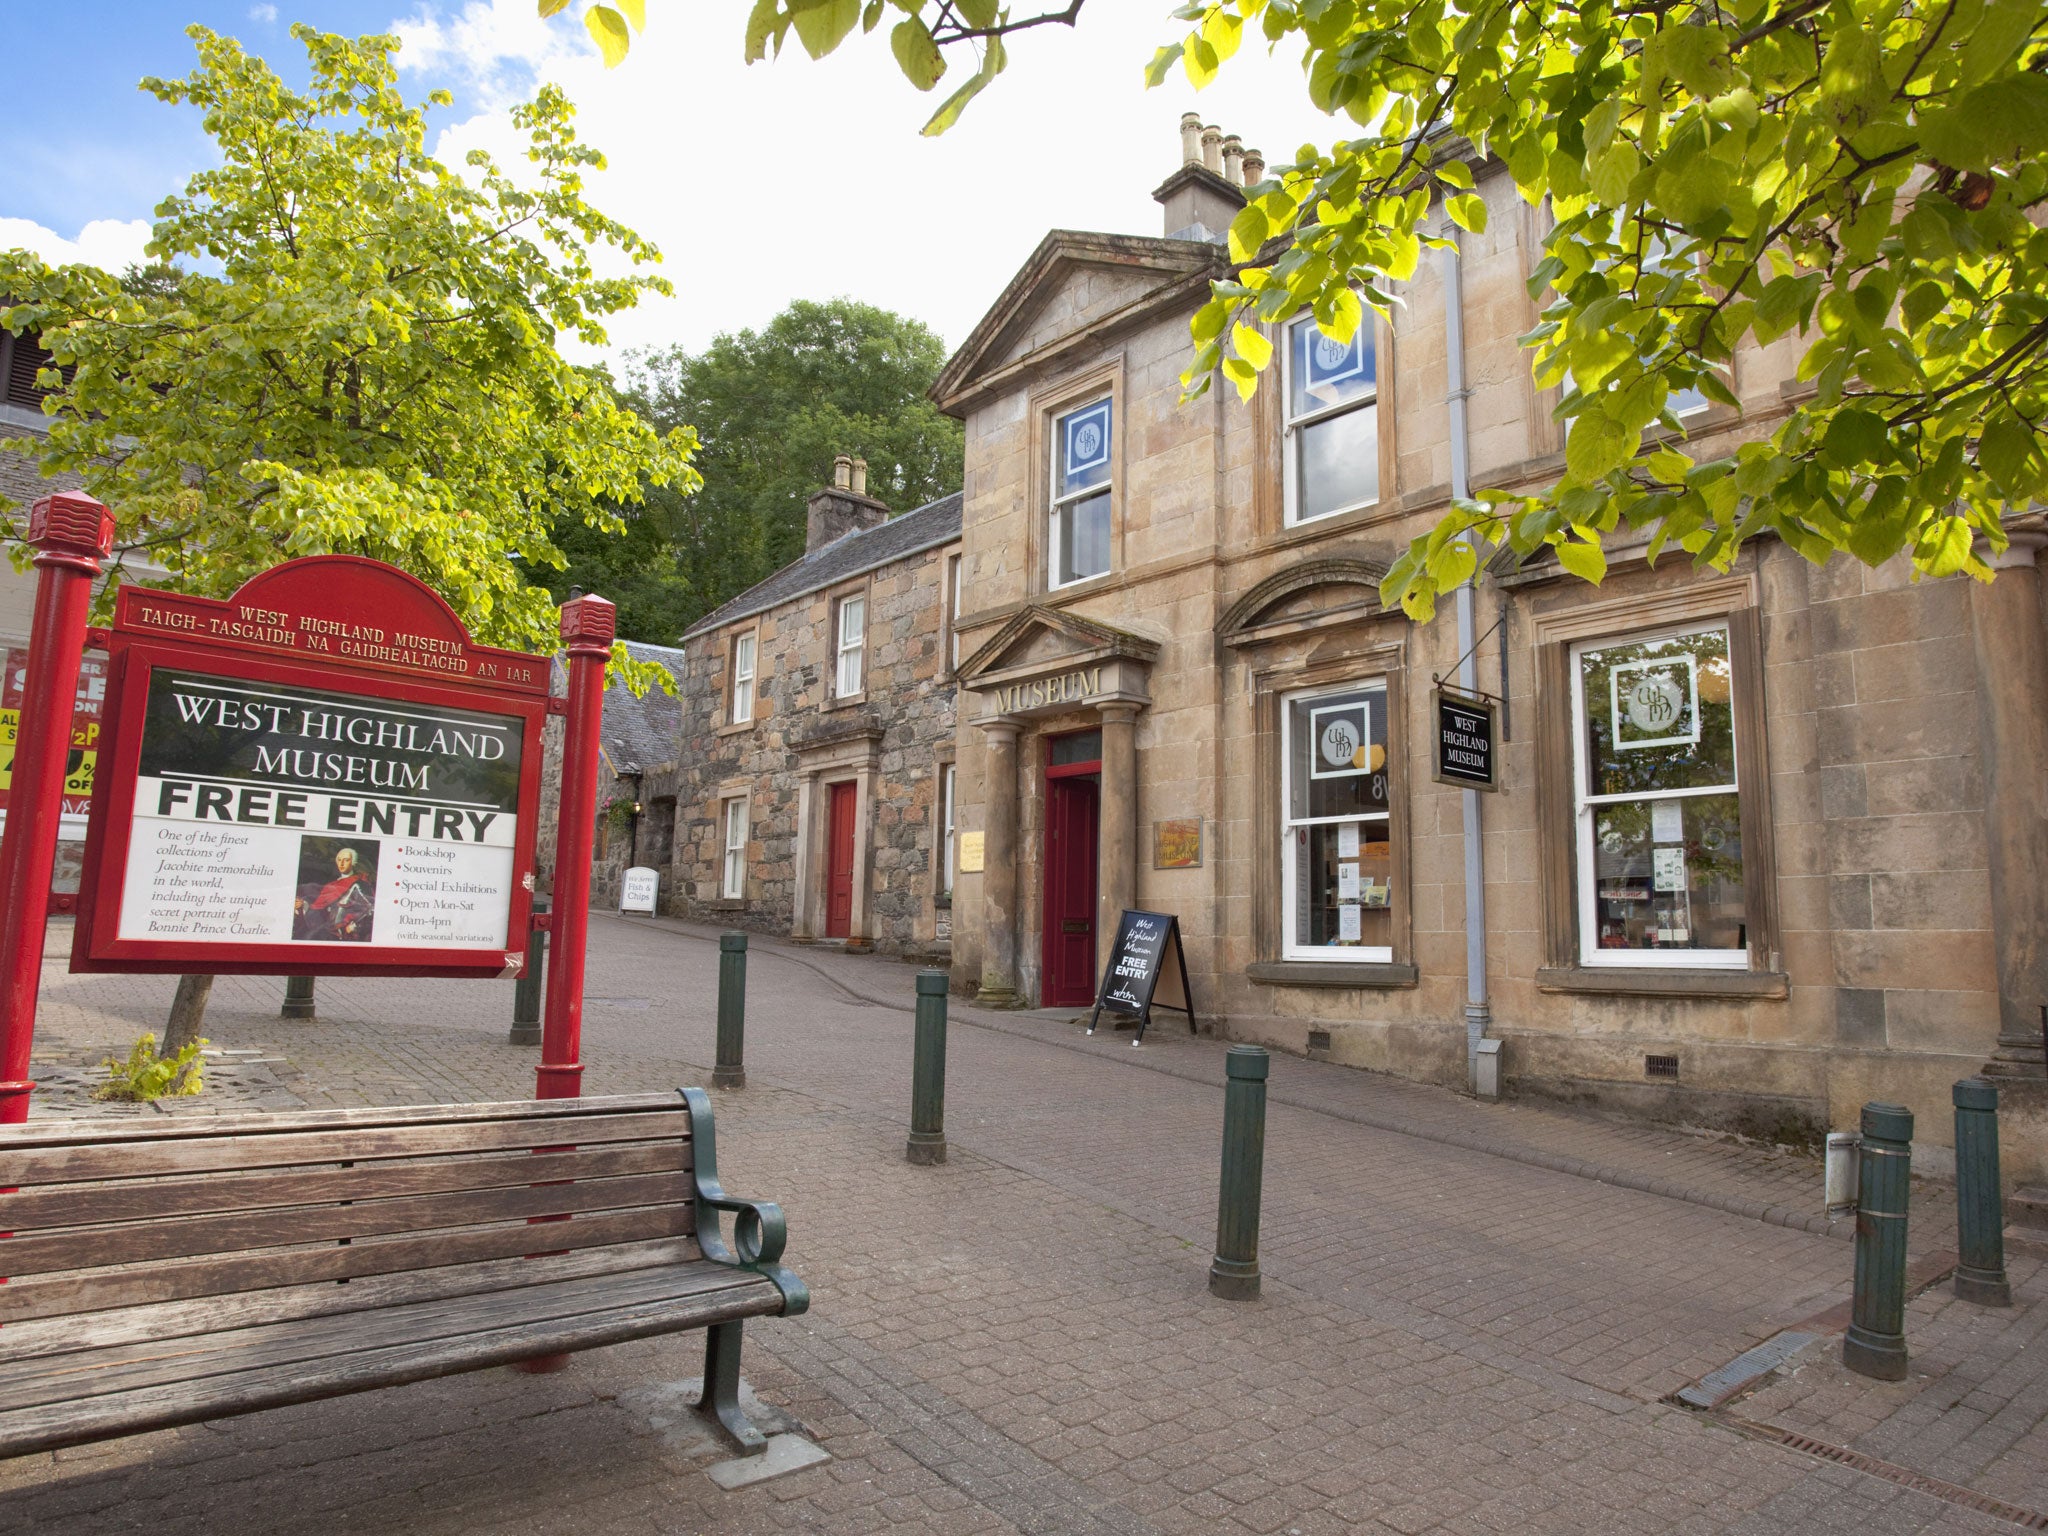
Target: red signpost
71 534
322 775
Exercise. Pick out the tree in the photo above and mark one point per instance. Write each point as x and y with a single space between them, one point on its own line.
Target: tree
367 360
343 345
1868 176
772 409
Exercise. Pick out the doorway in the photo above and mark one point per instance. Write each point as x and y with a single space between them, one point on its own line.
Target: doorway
1073 814
839 860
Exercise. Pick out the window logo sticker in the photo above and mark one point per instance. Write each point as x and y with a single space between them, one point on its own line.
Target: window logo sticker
1341 744
1655 703
1331 365
1087 440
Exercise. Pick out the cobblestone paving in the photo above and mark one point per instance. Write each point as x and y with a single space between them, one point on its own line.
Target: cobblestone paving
1450 1340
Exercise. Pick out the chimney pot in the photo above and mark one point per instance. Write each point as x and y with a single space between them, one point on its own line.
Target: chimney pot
1233 159
1254 167
842 472
1190 139
860 477
1212 148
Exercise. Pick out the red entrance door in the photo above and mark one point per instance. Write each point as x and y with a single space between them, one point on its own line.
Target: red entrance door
1072 810
839 862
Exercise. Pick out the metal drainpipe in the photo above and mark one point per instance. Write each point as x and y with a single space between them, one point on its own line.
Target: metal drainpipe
1478 1016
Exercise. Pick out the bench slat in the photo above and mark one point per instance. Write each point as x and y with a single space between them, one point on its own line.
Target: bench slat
53 1426
79 1205
131 1367
155 1159
185 1237
66 1294
48 1336
63 1133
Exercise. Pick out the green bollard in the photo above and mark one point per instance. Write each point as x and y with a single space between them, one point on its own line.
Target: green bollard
927 1143
1980 1205
298 998
1876 1342
731 1071
529 989
1234 1272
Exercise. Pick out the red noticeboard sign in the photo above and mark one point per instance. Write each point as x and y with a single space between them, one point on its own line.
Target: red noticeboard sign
322 775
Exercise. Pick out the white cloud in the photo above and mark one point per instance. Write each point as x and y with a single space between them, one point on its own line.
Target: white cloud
266 14
108 243
795 179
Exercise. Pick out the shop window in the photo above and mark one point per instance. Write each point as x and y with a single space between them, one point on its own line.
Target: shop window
742 678
1079 543
1336 864
733 885
1660 867
1332 437
852 630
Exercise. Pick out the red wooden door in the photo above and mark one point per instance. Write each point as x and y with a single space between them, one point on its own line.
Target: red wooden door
839 862
1072 809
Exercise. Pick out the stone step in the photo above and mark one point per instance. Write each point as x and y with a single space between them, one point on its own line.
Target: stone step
2026 1211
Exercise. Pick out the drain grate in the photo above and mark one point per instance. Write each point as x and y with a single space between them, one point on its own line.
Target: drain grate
1891 1472
1660 1066
1745 1370
1319 1039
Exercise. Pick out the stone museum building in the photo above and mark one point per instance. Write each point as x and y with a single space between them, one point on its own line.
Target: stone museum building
1765 845
807 787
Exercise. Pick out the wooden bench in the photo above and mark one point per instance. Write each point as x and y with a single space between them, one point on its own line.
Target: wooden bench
161 1272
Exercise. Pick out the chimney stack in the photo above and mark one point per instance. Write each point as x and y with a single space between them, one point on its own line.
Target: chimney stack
1204 195
1254 167
843 507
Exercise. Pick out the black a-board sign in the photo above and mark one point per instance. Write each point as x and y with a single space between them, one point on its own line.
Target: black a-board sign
1137 965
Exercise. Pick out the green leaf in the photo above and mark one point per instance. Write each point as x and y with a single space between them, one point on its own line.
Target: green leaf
552 8
1199 58
822 25
1467 211
916 54
1243 375
1588 562
1251 345
1162 62
1248 231
608 28
635 12
1855 438
1597 444
2009 452
2000 120
979 13
992 62
2001 30
763 22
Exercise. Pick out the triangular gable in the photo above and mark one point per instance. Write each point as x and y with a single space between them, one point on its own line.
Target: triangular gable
1042 638
1110 279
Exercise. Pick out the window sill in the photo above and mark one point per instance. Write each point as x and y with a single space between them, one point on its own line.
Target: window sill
1642 981
724 904
737 727
1080 584
847 700
1378 974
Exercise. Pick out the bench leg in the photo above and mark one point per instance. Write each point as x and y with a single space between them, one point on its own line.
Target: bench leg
721 1400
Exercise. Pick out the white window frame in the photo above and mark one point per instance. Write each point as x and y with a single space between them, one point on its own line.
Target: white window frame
1056 524
732 882
742 702
1584 803
1345 954
948 810
849 653
1291 425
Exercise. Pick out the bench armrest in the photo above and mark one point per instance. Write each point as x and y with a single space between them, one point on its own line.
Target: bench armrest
760 1232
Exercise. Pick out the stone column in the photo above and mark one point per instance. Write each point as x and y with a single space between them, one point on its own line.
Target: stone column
1116 870
2012 681
803 927
999 868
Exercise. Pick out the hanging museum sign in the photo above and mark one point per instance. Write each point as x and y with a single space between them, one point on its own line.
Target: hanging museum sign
1466 740
322 775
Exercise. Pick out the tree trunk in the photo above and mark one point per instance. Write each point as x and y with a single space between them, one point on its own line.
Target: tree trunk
188 1012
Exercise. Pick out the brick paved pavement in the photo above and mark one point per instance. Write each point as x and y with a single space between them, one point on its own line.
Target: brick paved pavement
1450 1339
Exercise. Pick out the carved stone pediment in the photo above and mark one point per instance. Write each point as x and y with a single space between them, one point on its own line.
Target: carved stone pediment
1311 595
1046 659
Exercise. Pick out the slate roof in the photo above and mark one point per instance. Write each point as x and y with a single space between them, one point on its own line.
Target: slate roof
934 523
646 732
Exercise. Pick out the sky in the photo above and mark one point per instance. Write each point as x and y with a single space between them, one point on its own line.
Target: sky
764 184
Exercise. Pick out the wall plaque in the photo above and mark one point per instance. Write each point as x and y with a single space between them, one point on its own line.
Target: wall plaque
970 853
1177 844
